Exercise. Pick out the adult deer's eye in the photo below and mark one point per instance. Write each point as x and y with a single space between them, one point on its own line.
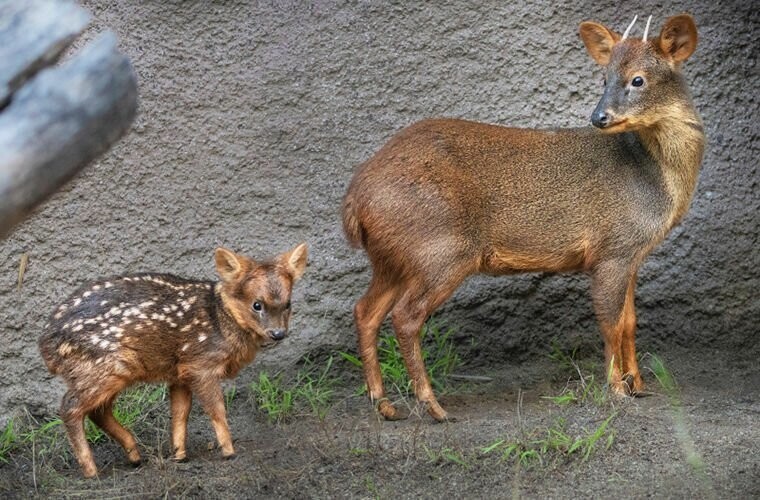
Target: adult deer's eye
257 306
637 81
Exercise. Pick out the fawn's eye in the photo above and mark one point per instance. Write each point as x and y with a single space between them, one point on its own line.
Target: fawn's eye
637 81
257 306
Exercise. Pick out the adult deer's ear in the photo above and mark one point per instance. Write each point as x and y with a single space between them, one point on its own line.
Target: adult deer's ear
678 38
598 41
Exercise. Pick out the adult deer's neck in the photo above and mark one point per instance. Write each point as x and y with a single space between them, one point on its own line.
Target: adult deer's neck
677 143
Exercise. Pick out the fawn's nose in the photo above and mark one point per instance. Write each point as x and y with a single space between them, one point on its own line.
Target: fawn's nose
277 333
600 118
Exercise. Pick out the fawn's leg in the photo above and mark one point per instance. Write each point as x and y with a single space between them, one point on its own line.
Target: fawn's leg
73 413
103 418
610 290
369 313
181 401
210 395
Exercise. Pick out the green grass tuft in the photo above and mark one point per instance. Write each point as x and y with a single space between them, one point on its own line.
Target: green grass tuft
554 442
310 390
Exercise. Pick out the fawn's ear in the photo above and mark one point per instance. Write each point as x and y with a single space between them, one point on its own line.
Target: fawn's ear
599 41
229 265
295 261
678 38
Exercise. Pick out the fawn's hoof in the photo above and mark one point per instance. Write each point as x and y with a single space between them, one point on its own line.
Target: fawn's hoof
90 472
230 457
388 411
134 458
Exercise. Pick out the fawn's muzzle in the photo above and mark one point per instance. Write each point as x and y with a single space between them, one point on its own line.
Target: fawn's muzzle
277 334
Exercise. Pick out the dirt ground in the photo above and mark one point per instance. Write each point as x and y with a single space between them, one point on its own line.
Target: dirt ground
657 446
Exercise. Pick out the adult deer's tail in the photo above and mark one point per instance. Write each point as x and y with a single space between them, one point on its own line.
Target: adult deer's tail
351 225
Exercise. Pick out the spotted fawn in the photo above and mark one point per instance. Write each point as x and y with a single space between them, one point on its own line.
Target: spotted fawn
445 199
160 328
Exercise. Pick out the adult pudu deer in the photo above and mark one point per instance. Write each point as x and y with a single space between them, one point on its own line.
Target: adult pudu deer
444 199
160 328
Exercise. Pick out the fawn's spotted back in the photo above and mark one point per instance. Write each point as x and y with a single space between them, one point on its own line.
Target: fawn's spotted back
110 320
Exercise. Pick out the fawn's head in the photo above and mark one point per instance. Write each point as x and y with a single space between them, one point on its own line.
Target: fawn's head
643 82
257 294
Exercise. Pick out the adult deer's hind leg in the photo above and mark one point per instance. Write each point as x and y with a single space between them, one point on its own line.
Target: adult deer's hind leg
369 313
409 315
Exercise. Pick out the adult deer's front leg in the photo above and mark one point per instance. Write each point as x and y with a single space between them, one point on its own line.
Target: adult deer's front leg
612 290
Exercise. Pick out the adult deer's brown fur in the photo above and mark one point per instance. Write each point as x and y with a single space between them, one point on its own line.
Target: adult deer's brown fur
444 199
160 328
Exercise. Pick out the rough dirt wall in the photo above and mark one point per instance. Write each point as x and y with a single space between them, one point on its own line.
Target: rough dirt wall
254 114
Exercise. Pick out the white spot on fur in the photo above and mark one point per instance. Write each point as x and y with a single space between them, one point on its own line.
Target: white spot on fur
104 344
132 311
94 338
201 337
107 284
96 288
104 303
77 328
184 347
77 302
186 328
86 294
145 304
